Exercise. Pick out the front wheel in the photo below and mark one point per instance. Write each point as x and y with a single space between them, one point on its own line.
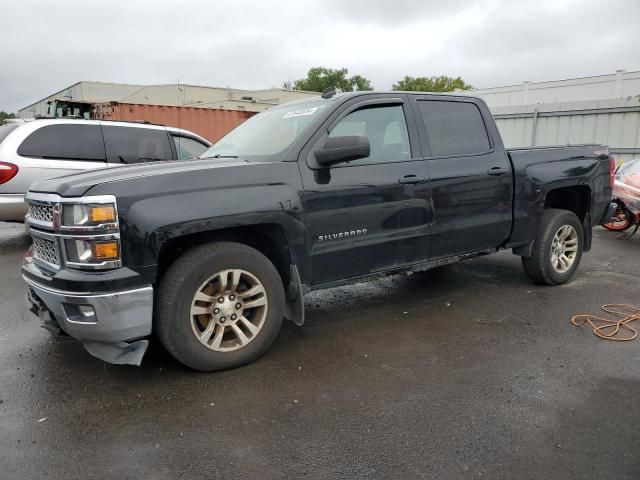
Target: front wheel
557 248
220 306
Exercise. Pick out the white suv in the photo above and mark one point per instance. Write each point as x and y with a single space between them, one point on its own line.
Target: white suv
44 148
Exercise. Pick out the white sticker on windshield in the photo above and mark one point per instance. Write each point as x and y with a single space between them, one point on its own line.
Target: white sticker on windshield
300 113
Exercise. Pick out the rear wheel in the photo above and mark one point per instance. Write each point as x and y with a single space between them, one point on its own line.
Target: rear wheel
557 248
220 306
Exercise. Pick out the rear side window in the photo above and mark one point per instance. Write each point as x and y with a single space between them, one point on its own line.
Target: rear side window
454 128
68 142
5 130
135 145
187 148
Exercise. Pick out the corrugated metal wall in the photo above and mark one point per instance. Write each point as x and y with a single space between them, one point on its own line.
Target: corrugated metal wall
614 122
209 123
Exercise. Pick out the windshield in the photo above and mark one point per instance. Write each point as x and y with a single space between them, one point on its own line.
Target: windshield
267 133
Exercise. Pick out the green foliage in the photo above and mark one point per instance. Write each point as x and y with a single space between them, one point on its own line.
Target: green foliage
5 115
321 78
441 83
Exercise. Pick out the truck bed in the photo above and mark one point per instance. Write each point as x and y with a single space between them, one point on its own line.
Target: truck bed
538 170
557 152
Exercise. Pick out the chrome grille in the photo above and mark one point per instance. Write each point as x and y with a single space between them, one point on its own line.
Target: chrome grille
46 250
41 212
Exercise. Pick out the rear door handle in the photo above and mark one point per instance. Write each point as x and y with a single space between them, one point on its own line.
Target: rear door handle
497 171
408 179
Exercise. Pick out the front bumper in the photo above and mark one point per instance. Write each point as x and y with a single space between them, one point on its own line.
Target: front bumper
117 316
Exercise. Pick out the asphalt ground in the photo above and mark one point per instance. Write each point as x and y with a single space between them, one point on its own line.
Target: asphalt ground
467 371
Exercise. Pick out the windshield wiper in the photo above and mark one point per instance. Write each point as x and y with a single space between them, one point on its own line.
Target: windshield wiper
217 155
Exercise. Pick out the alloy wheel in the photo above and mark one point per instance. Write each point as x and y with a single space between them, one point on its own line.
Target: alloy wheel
564 248
228 310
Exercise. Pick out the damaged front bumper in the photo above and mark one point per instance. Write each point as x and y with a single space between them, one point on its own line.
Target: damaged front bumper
108 324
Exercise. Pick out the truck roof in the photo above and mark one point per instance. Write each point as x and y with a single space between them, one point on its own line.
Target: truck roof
346 95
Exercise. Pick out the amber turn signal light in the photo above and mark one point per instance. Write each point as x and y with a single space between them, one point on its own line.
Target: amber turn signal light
102 213
105 250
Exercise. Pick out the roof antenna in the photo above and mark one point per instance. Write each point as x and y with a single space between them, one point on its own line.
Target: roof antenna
179 103
328 92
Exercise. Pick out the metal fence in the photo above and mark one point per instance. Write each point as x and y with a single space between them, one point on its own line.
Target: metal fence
612 122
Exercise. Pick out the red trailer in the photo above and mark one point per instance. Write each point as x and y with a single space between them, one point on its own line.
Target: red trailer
210 123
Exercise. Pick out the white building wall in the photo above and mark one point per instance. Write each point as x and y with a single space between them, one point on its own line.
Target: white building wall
620 84
171 94
82 91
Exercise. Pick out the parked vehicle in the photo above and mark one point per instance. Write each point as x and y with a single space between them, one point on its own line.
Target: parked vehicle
209 123
42 148
307 195
626 198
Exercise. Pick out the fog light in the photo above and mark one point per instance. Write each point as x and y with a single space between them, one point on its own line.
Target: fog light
80 313
86 311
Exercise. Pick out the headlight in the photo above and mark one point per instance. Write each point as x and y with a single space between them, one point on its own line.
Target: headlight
90 252
88 215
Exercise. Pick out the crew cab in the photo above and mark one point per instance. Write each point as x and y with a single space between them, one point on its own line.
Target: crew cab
212 254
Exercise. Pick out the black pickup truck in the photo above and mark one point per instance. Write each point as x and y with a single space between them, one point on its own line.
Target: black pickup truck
212 254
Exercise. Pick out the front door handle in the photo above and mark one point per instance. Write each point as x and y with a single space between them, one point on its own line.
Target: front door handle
409 179
497 171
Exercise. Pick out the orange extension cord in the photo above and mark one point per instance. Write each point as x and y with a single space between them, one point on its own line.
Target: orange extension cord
607 328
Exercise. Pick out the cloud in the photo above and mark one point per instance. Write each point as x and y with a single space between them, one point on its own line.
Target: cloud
260 44
397 12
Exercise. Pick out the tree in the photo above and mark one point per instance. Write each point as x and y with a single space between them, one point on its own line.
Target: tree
5 115
320 78
441 83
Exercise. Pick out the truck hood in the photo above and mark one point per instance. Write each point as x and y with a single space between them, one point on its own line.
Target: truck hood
77 184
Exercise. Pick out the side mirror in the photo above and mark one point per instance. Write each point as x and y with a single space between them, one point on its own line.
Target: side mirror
343 149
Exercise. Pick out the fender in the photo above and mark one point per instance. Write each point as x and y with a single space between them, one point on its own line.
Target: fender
155 210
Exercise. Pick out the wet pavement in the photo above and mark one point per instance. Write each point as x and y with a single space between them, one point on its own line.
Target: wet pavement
468 371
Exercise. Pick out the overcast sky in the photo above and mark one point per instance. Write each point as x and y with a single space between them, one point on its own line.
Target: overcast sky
49 45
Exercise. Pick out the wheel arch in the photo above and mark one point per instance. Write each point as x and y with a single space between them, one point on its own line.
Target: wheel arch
576 199
270 239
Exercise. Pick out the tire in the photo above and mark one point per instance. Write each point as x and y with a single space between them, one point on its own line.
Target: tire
181 325
621 220
540 266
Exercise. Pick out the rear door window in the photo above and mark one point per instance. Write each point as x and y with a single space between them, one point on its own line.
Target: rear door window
136 145
67 142
454 128
187 148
